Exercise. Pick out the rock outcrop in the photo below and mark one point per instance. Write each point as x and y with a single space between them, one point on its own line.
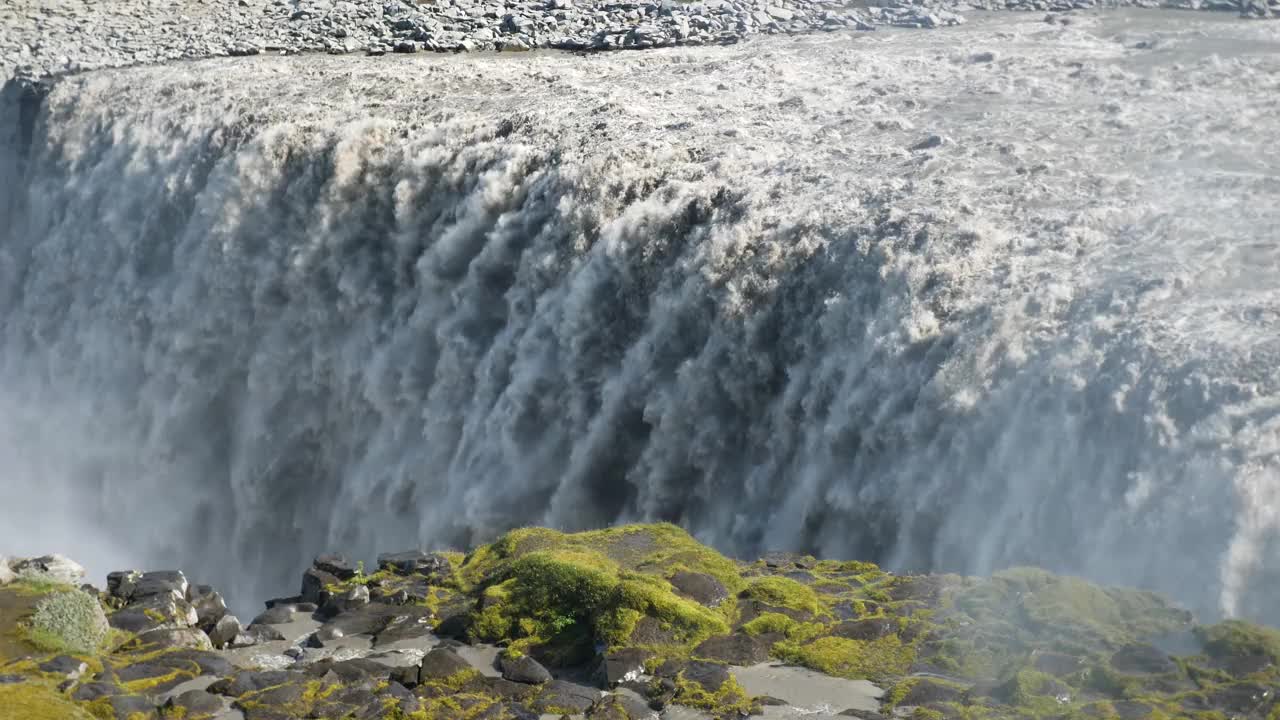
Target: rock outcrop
511 629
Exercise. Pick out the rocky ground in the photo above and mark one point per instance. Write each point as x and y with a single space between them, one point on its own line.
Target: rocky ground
41 37
630 622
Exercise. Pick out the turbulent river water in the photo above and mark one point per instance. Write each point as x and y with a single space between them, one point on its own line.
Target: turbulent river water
878 296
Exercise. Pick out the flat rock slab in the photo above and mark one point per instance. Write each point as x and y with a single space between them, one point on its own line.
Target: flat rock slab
806 690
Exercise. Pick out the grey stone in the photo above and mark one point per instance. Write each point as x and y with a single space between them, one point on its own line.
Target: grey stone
523 669
54 568
224 631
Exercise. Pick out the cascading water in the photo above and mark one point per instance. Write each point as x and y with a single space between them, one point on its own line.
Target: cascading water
254 310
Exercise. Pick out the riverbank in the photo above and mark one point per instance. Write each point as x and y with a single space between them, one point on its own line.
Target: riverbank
629 622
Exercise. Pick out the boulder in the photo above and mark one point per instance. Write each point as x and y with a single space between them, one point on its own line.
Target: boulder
174 638
65 666
735 649
523 669
624 665
194 703
6 574
120 583
441 663
132 707
618 707
53 568
209 606
224 631
335 565
560 695
352 599
160 582
315 584
700 587
278 615
416 562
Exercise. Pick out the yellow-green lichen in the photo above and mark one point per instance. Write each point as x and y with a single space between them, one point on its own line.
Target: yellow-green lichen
784 592
872 659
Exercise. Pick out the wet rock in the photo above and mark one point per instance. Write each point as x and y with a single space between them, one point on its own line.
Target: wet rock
523 669
53 568
735 649
699 587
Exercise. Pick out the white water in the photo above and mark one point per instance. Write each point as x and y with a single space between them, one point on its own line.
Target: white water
254 310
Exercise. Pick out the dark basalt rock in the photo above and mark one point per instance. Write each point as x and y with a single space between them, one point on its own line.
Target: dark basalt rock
441 663
315 583
510 689
251 681
335 564
621 665
649 631
735 649
564 695
278 615
194 703
158 582
416 562
618 707
862 714
90 691
132 707
524 669
700 587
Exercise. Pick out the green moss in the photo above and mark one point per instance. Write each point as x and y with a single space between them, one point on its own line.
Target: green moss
784 592
872 659
38 585
769 623
1236 638
730 700
37 701
564 593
